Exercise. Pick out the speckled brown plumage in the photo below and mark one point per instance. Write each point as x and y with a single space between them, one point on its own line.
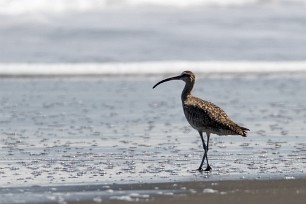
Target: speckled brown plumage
207 117
204 116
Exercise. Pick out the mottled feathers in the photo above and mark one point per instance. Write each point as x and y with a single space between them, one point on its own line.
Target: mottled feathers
205 116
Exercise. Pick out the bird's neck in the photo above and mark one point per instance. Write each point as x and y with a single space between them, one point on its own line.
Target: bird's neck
187 91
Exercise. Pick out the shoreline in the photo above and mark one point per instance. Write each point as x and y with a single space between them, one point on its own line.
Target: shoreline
229 191
194 176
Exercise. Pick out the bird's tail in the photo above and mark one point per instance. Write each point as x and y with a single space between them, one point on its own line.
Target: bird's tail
244 131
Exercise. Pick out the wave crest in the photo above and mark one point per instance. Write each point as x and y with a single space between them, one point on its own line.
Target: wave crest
148 68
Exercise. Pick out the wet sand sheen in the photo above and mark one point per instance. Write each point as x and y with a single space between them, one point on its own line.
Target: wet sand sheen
59 132
231 192
227 192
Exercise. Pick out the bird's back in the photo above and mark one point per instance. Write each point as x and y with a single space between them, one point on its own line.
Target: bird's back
205 116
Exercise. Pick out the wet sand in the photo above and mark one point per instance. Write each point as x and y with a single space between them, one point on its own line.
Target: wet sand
236 191
227 192
58 132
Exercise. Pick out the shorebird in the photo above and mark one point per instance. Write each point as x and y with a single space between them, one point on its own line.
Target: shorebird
204 116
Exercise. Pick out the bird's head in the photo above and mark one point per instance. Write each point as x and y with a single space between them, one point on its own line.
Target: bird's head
186 76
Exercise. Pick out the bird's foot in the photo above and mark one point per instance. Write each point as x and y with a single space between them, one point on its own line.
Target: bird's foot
200 169
208 168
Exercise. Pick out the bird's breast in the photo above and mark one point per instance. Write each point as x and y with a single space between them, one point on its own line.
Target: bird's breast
198 120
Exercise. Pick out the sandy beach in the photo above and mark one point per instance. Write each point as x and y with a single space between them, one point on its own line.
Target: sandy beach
250 191
236 191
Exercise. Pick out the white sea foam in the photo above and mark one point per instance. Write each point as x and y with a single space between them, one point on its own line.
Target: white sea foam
13 7
144 68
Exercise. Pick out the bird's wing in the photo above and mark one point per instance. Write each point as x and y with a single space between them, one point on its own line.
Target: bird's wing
208 115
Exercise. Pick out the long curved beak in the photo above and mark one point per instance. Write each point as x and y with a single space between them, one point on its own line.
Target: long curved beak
168 79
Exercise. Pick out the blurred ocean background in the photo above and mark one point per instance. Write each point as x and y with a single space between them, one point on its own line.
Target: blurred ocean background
145 36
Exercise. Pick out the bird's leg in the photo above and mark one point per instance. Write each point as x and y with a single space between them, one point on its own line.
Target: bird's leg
208 168
205 151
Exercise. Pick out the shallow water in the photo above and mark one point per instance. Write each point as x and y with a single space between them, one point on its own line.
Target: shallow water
108 130
59 131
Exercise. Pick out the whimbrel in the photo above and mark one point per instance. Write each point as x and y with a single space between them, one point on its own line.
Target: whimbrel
204 116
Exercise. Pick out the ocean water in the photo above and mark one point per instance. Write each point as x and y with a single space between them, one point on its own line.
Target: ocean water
132 32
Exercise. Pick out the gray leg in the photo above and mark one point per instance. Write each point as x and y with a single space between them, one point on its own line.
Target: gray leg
205 151
208 168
